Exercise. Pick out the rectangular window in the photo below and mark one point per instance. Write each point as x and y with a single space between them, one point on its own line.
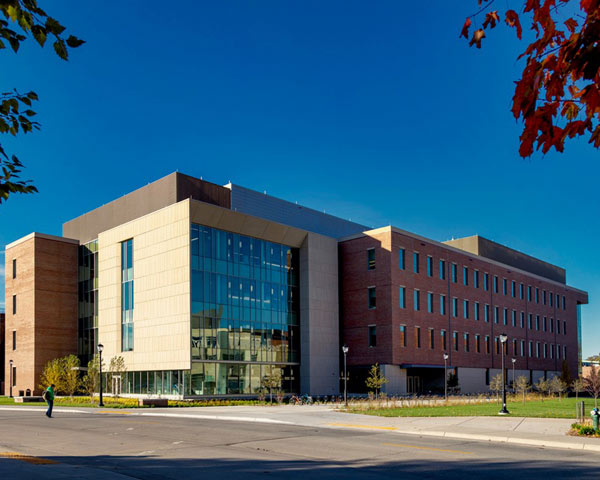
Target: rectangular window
558 352
551 350
127 301
537 322
497 345
558 327
14 339
415 262
537 295
496 314
476 278
442 304
14 265
416 300
418 337
402 297
486 313
466 308
551 298
401 263
486 281
529 290
455 307
372 336
431 339
537 349
522 319
514 342
371 259
477 344
514 318
14 305
530 349
403 335
504 286
455 340
476 311
514 288
530 322
522 348
442 269
430 302
465 276
429 266
443 335
545 350
505 316
466 340
544 297
372 297
495 284
564 303
487 344
545 325
14 377
454 273
564 327
521 291
564 352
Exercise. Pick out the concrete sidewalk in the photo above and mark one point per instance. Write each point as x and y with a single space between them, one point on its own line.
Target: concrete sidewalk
546 432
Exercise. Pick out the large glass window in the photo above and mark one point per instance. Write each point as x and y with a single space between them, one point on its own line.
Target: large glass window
402 297
87 311
127 295
430 266
372 297
371 259
372 336
401 264
416 262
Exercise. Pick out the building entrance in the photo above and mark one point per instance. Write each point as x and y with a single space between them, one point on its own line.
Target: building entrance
414 384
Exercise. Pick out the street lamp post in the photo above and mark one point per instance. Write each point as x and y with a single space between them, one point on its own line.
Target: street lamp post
100 348
345 350
504 411
446 376
513 360
10 380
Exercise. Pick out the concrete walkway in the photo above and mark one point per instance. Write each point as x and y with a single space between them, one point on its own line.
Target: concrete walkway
546 432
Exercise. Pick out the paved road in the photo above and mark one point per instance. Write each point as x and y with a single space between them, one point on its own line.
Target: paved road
121 446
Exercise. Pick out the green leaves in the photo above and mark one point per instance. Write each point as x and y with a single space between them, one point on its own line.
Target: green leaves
74 42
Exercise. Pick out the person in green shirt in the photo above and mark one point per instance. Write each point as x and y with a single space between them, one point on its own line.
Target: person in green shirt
50 400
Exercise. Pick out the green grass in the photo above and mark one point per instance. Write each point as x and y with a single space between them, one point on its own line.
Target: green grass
110 402
549 408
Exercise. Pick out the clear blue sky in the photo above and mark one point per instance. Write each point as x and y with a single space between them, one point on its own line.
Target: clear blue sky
372 111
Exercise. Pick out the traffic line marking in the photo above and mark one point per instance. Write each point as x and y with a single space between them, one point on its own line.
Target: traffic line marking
349 425
27 458
427 448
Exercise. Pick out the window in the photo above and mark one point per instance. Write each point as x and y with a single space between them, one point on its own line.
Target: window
465 276
504 286
514 342
416 300
372 336
558 327
455 307
455 340
127 301
545 325
505 316
466 308
14 304
522 348
486 281
564 327
496 314
454 273
522 319
415 262
530 349
477 344
545 350
497 345
418 337
530 322
372 297
551 350
476 311
495 284
537 322
544 297
14 377
537 295
14 265
486 313
514 289
429 266
431 339
430 302
537 349
564 352
521 291
402 297
14 340
551 299
564 303
442 304
401 263
442 269
443 335
487 344
558 352
466 341
371 259
403 335
529 293
476 278
514 318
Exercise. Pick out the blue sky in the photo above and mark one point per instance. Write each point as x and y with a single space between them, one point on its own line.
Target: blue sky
374 112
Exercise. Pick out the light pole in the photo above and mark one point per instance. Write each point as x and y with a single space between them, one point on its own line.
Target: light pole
504 411
446 376
100 348
513 360
10 377
345 350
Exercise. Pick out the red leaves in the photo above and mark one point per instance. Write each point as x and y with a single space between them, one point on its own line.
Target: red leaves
571 25
465 30
478 35
490 19
512 20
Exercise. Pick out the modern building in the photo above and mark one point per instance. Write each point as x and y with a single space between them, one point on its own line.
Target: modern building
2 367
216 290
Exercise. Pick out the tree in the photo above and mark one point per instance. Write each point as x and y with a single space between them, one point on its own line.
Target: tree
543 386
522 385
496 385
272 381
558 386
593 358
592 384
578 386
28 20
91 380
72 381
558 94
376 379
116 367
452 383
53 374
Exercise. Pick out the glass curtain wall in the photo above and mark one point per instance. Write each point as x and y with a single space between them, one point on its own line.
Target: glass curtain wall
127 295
245 325
87 334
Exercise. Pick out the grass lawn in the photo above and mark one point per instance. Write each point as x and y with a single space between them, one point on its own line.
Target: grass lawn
110 402
549 408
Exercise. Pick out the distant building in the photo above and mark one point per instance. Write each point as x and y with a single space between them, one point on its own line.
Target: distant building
2 348
209 290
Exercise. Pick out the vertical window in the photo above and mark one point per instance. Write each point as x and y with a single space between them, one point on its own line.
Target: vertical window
496 314
14 304
505 316
537 349
14 346
537 322
454 273
514 346
558 352
429 266
127 295
530 349
545 350
476 310
401 263
431 339
466 308
372 297
455 307
486 282
564 327
416 262
372 336
14 265
455 340
544 297
564 303
442 304
442 269
514 318
530 322
465 276
418 337
486 313
487 344
514 289
504 286
551 298
444 341
466 340
522 319
529 293
521 291
497 345
402 297
558 327
545 325
551 350
476 278
522 348
477 344
495 284
371 259
564 352
14 377
416 303
403 335
537 295
430 302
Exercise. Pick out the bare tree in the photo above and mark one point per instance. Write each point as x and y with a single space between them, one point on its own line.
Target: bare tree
558 386
522 385
496 386
543 386
592 384
578 386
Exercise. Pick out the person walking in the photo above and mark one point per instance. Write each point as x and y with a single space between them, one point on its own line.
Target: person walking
49 397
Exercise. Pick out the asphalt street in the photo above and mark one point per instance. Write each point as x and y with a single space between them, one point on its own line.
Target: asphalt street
121 446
